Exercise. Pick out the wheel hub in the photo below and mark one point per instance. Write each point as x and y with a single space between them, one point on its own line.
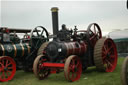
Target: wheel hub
108 55
75 69
5 69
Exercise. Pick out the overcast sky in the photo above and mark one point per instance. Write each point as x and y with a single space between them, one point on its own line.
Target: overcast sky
109 15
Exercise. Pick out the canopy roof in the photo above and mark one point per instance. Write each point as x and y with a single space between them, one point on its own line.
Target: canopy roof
19 30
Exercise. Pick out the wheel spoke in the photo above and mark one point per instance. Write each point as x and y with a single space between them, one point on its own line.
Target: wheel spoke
71 68
77 64
39 68
37 32
112 56
3 75
92 37
9 71
6 63
42 32
97 33
73 62
106 45
110 48
10 68
105 50
94 29
109 64
7 74
92 32
1 64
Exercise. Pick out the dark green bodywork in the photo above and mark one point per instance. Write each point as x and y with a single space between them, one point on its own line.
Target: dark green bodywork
14 50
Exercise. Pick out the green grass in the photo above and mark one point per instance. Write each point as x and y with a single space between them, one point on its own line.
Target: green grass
90 77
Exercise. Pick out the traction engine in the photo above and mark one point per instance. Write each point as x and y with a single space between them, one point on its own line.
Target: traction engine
19 54
75 50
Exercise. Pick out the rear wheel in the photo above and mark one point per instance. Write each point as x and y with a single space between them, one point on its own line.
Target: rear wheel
72 68
105 55
42 47
124 72
7 68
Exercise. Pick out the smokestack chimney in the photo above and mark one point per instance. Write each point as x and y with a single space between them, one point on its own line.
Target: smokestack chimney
55 20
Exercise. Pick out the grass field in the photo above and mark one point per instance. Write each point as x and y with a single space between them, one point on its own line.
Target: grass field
90 77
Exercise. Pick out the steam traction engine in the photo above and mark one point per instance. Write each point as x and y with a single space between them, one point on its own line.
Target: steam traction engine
16 53
74 51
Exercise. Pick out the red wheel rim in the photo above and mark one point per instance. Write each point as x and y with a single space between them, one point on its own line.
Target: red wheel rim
109 55
7 68
73 68
94 33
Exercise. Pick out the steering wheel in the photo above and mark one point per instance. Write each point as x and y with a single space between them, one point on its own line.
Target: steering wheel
93 34
38 35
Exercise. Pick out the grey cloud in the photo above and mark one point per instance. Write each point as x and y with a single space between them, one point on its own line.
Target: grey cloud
28 14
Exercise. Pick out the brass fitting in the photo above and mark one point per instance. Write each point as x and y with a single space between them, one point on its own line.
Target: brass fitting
54 9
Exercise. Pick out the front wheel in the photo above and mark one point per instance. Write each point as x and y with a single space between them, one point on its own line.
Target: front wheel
72 68
40 71
7 68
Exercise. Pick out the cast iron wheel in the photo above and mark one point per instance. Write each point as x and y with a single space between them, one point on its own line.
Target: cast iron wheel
7 68
72 68
39 71
38 32
93 34
124 72
42 47
105 55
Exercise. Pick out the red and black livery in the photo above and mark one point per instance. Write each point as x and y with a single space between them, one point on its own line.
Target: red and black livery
74 50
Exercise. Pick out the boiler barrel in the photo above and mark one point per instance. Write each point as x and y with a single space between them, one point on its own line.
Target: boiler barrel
14 50
64 49
75 48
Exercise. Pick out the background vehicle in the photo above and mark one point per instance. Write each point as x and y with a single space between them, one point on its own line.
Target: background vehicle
16 53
